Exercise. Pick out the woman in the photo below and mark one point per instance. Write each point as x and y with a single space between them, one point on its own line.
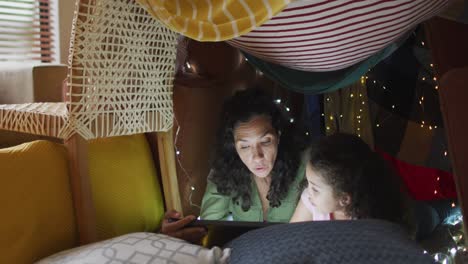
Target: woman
256 171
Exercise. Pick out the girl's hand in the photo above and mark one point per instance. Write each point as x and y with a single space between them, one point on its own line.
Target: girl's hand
177 229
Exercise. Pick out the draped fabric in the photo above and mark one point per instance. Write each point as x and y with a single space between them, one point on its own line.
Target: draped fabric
312 117
457 11
211 20
424 184
319 82
346 110
323 36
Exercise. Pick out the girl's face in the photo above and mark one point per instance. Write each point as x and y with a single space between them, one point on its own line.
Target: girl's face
321 194
256 143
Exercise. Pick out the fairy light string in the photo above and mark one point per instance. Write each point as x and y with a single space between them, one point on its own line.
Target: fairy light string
179 153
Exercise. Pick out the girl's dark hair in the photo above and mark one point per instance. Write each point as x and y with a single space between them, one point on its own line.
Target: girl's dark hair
229 173
348 164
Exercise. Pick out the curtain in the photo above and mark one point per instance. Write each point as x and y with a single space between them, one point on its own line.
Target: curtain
347 110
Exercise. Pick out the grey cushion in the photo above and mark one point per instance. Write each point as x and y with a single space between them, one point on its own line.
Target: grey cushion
356 241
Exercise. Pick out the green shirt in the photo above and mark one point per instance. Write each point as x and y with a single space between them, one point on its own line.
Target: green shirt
216 206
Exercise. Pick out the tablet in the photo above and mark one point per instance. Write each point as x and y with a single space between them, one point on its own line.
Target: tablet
221 232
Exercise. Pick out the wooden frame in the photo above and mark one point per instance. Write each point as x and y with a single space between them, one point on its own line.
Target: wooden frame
80 183
168 170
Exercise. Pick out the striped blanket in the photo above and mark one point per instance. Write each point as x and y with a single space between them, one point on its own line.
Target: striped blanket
323 35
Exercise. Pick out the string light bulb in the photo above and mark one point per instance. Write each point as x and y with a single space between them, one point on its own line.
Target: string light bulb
453 251
178 152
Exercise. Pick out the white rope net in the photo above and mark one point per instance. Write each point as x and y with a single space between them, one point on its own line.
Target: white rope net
45 119
121 72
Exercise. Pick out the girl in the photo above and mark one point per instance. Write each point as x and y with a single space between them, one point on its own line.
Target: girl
347 180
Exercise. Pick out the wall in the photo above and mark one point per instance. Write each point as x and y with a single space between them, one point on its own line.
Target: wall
66 9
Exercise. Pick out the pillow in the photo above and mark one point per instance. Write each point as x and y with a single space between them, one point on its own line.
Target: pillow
36 202
354 241
138 248
126 191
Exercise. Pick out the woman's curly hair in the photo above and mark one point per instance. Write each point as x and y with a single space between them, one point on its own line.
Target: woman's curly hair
348 164
231 176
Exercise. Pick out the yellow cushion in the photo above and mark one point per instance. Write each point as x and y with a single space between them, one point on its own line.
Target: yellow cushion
126 190
36 206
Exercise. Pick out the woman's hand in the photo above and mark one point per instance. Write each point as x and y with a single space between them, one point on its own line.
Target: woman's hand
178 229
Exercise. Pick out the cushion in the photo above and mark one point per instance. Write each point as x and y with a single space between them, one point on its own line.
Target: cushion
126 191
354 241
140 248
36 204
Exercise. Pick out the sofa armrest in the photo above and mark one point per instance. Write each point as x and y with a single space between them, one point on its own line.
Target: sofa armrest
29 83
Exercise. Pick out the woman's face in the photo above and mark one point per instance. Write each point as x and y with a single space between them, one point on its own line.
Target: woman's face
256 143
321 194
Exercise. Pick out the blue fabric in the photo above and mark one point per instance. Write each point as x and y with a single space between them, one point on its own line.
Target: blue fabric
313 115
319 82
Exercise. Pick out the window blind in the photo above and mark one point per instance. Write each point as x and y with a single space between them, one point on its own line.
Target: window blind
26 31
